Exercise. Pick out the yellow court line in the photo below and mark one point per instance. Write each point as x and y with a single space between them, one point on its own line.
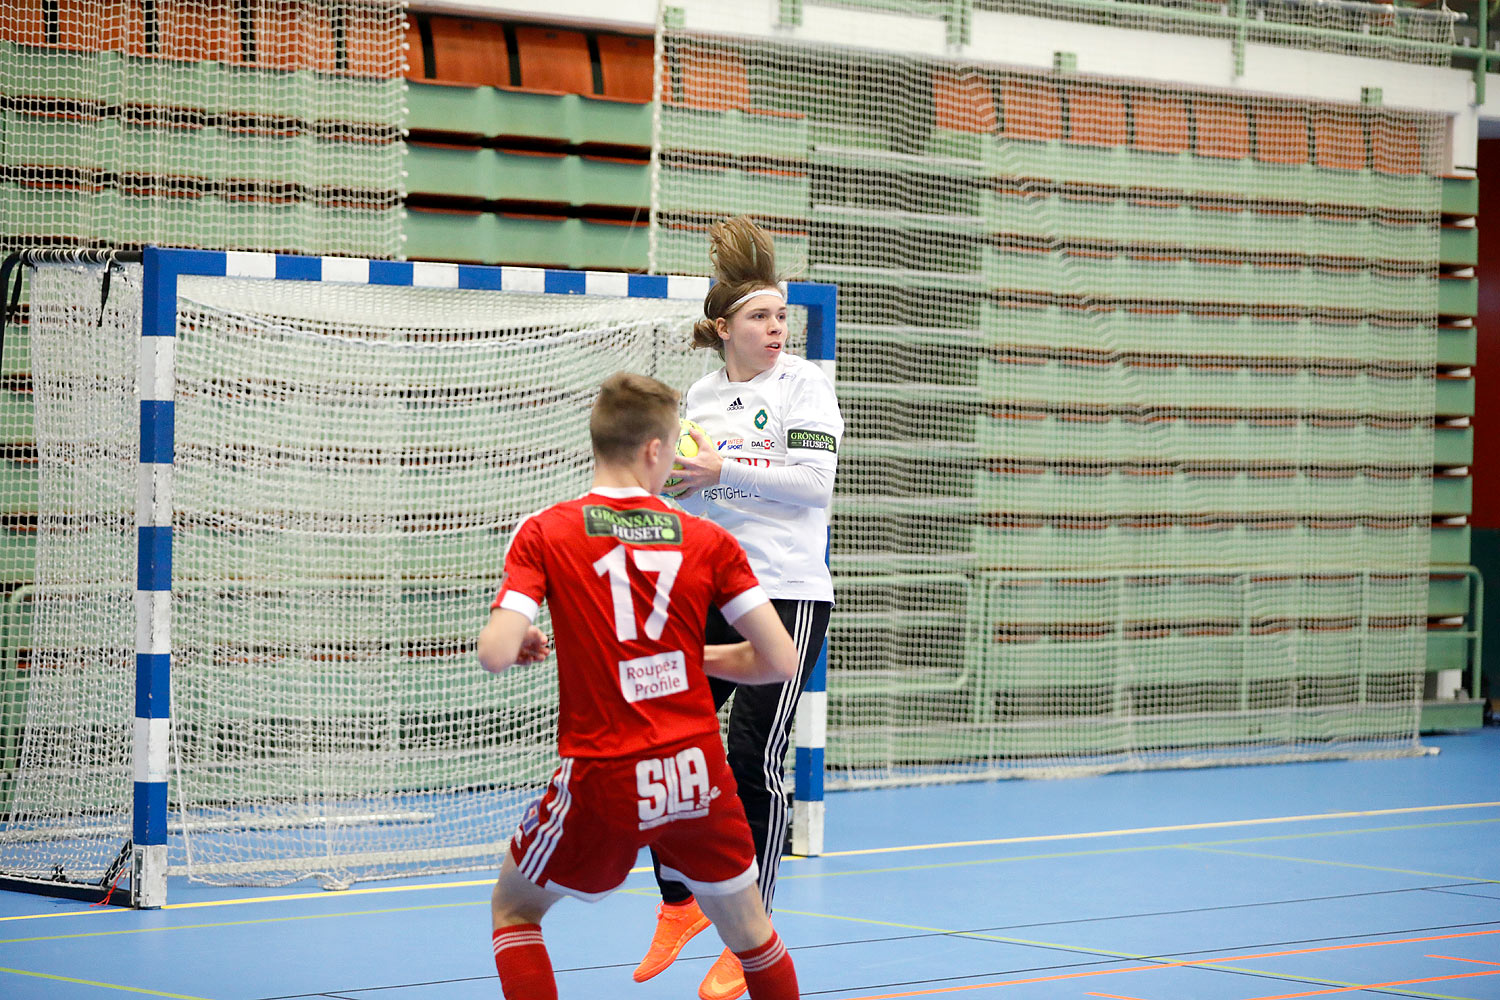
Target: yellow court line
1158 965
1170 829
289 897
1360 829
472 883
1036 839
1204 845
107 986
245 923
1099 952
1102 953
1342 864
329 894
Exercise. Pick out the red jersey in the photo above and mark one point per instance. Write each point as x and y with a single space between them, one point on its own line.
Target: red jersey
628 581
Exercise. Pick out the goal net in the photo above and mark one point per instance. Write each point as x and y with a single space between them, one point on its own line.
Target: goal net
348 463
1139 388
241 124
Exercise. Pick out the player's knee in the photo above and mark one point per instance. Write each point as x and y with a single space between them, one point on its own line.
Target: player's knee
739 917
506 909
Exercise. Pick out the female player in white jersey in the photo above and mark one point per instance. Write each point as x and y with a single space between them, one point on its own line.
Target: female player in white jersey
767 477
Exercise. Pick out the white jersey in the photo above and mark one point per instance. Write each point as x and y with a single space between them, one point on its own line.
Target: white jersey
785 416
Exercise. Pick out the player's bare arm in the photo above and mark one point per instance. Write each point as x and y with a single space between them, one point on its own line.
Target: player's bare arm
768 655
509 639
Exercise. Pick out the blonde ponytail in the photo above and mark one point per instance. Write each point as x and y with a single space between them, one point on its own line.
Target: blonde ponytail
706 334
744 259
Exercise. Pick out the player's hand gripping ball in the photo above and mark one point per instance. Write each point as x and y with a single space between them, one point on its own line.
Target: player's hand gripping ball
686 446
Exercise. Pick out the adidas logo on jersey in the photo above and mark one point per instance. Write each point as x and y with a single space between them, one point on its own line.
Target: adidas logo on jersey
736 405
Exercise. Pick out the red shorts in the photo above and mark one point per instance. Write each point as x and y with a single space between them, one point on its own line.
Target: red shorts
583 835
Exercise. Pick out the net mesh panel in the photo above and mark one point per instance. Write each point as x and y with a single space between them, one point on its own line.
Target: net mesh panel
70 636
1423 35
349 463
1139 393
253 124
18 490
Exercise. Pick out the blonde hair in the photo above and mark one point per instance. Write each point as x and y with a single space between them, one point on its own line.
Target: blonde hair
744 259
631 410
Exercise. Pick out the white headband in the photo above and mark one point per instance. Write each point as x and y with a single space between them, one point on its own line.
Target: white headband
778 290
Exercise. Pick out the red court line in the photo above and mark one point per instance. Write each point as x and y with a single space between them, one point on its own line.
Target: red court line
1455 958
1336 947
1376 986
1195 962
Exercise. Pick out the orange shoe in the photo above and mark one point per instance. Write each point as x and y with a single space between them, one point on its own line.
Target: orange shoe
725 981
675 927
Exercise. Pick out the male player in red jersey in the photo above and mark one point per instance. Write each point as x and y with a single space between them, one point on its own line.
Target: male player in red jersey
629 581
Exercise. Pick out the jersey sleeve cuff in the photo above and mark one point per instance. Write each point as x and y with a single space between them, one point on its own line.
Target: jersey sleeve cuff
514 600
748 601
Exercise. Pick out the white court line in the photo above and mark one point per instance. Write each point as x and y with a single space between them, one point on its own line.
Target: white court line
1040 838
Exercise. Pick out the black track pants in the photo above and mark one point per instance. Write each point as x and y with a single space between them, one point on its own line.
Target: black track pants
760 724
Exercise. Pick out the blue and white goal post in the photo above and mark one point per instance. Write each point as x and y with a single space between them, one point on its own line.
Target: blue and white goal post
163 269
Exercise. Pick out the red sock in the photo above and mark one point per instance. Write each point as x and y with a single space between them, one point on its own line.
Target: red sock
523 963
769 972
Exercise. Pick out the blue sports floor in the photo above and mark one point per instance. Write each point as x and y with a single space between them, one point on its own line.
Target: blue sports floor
1349 879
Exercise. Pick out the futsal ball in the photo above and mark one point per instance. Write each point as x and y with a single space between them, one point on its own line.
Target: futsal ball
686 446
